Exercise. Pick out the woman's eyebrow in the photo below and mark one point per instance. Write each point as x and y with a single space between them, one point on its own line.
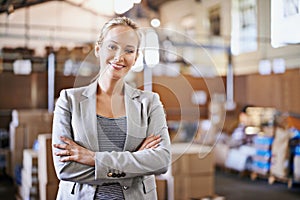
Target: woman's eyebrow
127 45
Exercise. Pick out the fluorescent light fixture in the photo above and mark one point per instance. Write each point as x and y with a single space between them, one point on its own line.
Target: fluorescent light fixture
278 66
122 6
155 23
264 67
136 1
151 48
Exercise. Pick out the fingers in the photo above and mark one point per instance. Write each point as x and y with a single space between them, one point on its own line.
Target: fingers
66 159
66 140
150 142
68 144
154 142
60 146
65 150
63 153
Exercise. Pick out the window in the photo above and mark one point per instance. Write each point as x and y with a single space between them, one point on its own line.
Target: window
244 26
285 19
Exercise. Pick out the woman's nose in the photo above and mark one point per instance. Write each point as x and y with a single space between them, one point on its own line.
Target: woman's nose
118 56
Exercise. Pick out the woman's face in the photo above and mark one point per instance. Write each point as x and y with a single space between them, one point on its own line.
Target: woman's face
118 52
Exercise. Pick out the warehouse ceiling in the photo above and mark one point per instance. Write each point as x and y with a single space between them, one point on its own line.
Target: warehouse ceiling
9 6
38 23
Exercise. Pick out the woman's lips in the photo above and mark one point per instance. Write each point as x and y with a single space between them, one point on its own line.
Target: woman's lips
116 66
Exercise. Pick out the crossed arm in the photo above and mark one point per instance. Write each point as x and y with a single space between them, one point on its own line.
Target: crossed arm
71 151
75 162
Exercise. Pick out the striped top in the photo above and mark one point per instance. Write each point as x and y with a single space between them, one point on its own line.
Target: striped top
111 137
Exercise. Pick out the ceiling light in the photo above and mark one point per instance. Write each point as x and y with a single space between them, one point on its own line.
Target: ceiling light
155 23
122 6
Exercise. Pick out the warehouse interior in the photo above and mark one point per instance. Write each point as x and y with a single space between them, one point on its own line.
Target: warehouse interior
227 73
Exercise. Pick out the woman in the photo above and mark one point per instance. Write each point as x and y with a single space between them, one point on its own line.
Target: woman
109 140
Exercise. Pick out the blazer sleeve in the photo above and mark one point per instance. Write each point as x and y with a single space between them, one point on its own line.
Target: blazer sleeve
140 163
70 171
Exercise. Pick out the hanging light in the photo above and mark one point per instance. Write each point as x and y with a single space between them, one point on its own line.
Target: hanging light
152 48
136 1
155 23
122 6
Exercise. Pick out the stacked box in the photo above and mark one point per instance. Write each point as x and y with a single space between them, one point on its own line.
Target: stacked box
29 185
161 187
262 158
48 182
193 171
280 153
61 56
25 126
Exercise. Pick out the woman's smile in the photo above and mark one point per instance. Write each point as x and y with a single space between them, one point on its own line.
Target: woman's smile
116 66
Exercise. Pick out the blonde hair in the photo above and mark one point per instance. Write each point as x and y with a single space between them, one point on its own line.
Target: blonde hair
118 21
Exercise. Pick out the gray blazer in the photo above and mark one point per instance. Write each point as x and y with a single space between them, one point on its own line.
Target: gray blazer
75 117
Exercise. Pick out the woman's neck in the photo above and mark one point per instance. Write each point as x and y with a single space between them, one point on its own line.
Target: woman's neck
110 87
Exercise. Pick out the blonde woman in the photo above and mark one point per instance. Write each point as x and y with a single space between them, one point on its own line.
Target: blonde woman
109 139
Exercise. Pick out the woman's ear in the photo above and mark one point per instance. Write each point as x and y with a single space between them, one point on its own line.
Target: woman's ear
97 48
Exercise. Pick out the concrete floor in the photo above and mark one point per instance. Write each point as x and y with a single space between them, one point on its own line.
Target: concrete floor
230 185
235 187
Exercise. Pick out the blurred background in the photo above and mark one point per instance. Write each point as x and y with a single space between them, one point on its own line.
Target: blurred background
227 72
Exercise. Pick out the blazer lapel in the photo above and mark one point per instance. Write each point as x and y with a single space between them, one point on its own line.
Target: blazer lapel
136 119
88 116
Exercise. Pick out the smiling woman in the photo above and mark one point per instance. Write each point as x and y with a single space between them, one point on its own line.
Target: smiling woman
109 140
117 51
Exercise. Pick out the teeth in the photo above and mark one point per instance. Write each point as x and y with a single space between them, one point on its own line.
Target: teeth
117 66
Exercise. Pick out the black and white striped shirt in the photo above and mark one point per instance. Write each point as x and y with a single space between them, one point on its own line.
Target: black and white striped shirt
111 137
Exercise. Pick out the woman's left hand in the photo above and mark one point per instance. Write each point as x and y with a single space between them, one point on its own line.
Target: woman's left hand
71 151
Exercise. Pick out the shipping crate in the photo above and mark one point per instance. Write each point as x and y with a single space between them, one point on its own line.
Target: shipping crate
193 170
48 182
29 183
25 126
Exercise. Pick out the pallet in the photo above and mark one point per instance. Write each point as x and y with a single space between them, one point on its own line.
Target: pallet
272 179
243 173
255 175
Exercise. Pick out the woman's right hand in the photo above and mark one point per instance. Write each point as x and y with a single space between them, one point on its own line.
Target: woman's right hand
150 142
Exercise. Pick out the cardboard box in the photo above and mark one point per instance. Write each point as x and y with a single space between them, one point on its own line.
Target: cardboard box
220 154
188 187
26 125
192 159
16 147
46 170
161 187
29 193
29 116
48 191
30 161
29 179
193 170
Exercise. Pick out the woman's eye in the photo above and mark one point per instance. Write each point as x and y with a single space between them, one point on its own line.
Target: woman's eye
112 47
129 51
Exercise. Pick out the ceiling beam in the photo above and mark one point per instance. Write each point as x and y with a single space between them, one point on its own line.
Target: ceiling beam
20 4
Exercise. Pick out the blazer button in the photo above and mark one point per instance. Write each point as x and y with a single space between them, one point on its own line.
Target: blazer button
123 174
125 187
109 174
114 175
